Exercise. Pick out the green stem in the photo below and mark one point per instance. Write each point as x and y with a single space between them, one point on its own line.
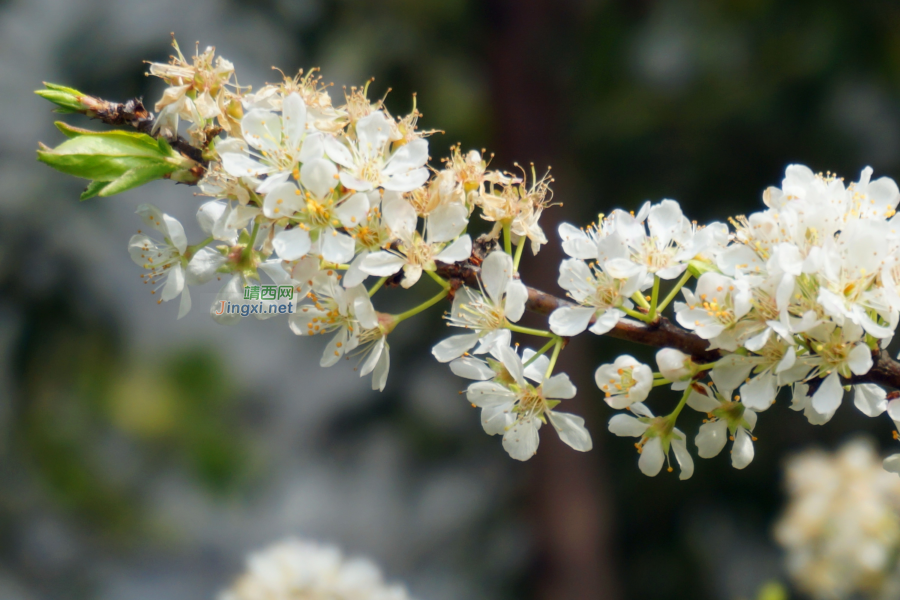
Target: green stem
377 286
529 330
659 382
684 397
425 305
543 349
634 314
654 299
440 280
671 296
518 257
249 248
640 300
192 250
557 346
507 238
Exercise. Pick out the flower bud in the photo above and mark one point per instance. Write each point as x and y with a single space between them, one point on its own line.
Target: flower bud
676 366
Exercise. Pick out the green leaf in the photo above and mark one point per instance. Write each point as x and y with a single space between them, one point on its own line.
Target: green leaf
92 189
108 155
135 177
69 100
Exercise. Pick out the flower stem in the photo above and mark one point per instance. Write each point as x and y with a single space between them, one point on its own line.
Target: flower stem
633 313
557 346
677 411
507 238
529 330
192 250
518 257
440 280
640 300
425 305
377 286
654 299
249 248
671 295
659 382
543 349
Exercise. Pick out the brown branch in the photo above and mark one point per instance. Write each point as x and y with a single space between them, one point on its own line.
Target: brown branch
132 112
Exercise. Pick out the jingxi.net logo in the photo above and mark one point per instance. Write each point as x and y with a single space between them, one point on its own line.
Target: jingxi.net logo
259 300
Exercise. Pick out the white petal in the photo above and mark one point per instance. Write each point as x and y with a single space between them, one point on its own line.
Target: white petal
291 244
446 222
626 426
174 283
652 457
406 182
521 440
373 131
892 463
283 201
382 264
338 152
241 165
471 368
860 359
576 242
711 438
458 251
262 129
559 386
233 292
759 393
184 306
409 156
571 430
336 247
606 321
355 275
570 321
293 112
372 359
454 346
870 399
828 397
496 273
400 216
318 176
684 458
742 450
203 266
516 296
353 210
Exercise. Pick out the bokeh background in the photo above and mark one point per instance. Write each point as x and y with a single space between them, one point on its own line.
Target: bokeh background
142 458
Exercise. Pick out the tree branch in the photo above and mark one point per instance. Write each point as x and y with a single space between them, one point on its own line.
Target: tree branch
133 113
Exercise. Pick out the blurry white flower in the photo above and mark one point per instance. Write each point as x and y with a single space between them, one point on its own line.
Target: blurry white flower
841 526
300 570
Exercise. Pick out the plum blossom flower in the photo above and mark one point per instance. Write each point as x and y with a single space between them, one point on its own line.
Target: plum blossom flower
712 312
484 314
676 366
516 409
347 312
624 382
168 261
658 435
415 253
599 295
275 145
299 569
728 419
367 162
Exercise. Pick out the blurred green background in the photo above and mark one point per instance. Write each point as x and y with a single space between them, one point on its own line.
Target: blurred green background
143 457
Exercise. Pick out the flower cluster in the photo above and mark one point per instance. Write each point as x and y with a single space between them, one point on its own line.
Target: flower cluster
841 527
295 570
315 198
